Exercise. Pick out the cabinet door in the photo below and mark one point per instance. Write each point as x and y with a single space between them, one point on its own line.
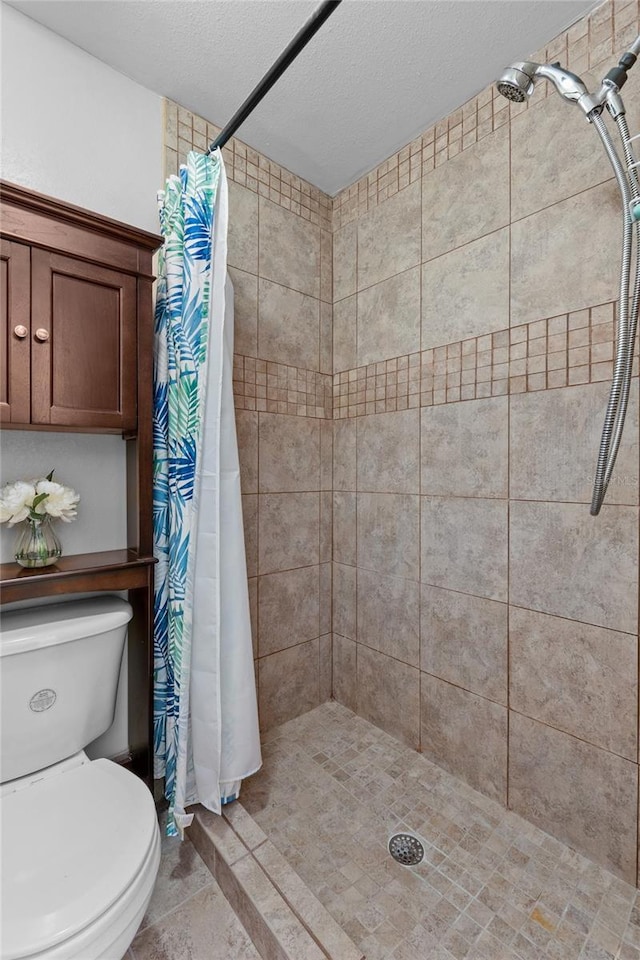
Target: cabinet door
15 323
83 344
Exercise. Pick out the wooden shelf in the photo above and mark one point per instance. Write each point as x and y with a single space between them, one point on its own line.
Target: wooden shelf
42 239
83 572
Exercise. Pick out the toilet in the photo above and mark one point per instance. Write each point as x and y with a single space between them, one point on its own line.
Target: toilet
80 837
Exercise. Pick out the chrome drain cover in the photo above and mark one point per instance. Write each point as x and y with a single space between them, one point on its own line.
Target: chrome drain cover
406 849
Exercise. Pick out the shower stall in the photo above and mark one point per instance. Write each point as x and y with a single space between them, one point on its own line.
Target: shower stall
445 640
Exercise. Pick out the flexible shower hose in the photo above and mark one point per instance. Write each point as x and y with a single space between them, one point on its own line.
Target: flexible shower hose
621 382
633 317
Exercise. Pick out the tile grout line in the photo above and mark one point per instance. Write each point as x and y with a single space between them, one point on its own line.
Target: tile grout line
175 907
356 678
508 585
421 416
320 512
257 668
638 702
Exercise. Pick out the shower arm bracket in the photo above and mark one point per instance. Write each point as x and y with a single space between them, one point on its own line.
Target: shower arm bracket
609 93
614 103
607 96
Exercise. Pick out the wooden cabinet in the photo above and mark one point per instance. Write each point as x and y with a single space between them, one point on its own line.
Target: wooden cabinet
70 292
15 322
76 353
83 344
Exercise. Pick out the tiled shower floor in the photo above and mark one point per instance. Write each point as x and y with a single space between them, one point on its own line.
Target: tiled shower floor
332 789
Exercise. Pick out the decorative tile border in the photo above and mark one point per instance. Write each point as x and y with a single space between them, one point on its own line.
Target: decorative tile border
588 44
185 131
555 352
608 30
279 388
544 354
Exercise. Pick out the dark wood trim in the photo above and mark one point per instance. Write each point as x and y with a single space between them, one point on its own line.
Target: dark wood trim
16 300
67 428
81 573
60 210
143 511
81 243
138 762
140 676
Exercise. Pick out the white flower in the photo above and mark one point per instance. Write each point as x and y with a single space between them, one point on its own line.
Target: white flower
60 501
15 501
37 498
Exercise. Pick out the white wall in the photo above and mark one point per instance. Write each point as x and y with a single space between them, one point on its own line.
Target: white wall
73 128
90 463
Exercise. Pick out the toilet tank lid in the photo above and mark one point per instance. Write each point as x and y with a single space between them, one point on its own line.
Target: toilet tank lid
32 628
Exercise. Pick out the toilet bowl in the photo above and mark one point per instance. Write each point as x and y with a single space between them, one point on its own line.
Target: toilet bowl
81 848
80 837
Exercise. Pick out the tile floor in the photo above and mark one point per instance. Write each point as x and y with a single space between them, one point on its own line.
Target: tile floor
188 917
492 886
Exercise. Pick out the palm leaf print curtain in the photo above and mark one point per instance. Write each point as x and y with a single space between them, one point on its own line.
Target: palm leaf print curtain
181 338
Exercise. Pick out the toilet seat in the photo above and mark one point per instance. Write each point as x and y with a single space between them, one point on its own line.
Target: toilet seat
81 848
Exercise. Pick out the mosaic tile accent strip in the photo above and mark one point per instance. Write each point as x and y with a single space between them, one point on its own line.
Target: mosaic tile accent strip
608 30
279 388
585 46
556 352
185 131
491 887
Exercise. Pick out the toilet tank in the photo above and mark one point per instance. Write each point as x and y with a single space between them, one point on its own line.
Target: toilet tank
59 667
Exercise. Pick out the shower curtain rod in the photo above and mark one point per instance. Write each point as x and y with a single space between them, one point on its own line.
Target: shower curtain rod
285 59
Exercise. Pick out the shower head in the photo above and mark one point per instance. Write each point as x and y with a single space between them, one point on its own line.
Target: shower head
518 82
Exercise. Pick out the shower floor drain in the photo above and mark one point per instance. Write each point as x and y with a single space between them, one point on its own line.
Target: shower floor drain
406 849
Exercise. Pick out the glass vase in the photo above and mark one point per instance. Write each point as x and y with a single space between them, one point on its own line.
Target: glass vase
37 544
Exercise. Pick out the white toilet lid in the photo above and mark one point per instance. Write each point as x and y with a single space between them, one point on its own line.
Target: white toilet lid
71 845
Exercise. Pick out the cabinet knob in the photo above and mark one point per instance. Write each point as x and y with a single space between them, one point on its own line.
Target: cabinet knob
20 331
42 335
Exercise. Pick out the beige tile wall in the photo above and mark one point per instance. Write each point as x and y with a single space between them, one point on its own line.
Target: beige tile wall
480 613
428 557
280 263
584 48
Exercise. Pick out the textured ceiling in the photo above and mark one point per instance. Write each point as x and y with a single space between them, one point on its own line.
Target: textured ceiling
377 73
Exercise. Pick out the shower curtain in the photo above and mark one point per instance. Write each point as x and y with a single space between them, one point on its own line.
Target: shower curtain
205 712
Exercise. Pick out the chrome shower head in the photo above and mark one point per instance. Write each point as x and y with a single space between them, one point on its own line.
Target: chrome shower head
516 82
511 91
